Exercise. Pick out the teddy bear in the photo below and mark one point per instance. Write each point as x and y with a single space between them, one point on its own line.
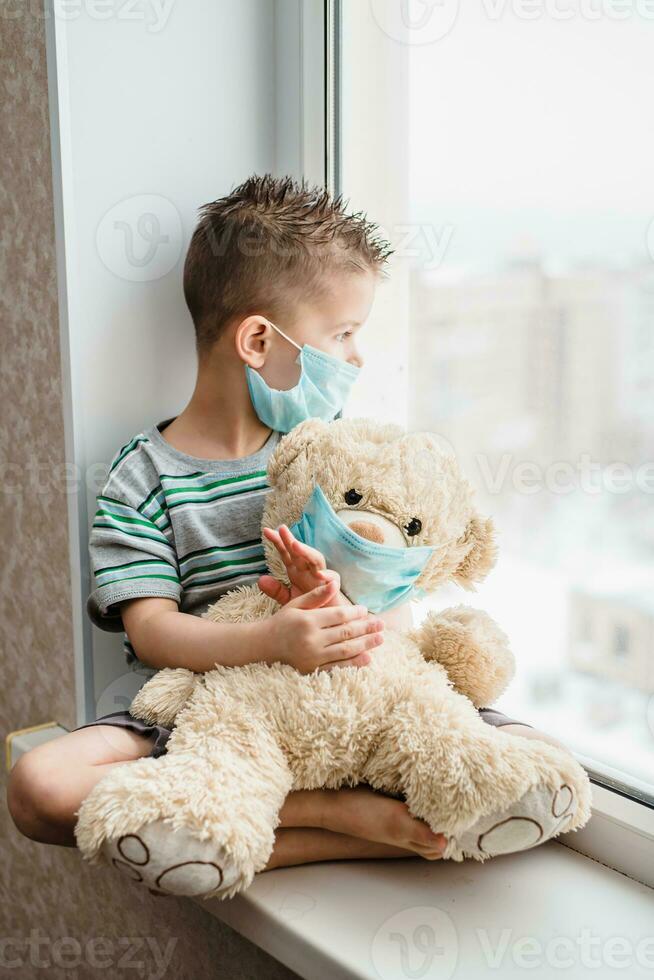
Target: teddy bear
200 820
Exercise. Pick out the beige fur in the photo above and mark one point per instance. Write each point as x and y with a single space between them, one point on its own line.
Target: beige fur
406 724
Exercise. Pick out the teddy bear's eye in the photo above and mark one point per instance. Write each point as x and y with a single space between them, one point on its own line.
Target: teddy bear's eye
413 527
353 497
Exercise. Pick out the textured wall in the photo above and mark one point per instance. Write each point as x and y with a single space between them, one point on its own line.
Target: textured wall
46 893
34 571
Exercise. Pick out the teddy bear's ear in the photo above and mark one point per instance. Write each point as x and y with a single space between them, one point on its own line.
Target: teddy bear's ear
290 446
480 552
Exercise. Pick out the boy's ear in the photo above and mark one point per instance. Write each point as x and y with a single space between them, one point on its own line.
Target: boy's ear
480 554
290 446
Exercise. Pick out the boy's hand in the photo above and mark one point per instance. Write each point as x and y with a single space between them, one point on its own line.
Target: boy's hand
305 566
310 634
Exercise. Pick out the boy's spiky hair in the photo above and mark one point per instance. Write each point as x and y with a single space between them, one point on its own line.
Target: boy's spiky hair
268 244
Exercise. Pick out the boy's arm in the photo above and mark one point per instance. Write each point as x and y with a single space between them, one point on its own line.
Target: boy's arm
309 633
162 636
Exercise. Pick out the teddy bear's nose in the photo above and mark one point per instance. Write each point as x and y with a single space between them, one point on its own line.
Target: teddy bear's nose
373 527
368 530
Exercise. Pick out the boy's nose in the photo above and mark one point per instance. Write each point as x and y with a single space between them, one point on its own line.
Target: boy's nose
356 360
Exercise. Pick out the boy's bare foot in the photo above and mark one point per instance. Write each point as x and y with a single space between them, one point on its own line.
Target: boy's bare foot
364 814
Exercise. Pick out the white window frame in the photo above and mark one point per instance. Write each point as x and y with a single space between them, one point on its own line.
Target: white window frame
621 831
307 49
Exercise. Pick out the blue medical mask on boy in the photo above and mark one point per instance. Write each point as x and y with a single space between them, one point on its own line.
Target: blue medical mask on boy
320 393
373 575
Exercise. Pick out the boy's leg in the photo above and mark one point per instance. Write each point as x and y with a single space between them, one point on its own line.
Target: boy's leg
527 731
365 824
48 783
306 845
512 727
330 825
358 813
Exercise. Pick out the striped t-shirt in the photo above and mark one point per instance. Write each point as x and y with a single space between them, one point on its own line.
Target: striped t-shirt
175 526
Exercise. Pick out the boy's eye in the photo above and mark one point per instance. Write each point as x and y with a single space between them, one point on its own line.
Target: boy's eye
413 527
342 336
352 497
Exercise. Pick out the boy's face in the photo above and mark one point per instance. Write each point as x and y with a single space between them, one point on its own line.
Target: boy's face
330 324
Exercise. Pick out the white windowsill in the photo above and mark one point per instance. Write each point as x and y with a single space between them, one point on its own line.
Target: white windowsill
322 920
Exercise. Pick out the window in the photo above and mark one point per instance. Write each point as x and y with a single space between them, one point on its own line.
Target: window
507 151
620 641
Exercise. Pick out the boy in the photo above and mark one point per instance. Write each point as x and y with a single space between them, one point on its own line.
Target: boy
271 267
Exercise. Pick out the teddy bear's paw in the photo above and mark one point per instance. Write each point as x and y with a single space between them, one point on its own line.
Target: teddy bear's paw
535 818
172 862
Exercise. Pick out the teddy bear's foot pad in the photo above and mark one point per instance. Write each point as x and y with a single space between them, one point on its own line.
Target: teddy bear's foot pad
171 862
538 816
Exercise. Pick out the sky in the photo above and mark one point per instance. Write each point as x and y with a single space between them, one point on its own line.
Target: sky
536 135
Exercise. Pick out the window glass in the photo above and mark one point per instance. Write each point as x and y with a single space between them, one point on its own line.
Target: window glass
529 161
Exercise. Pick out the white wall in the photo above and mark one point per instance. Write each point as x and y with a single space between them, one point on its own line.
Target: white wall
150 116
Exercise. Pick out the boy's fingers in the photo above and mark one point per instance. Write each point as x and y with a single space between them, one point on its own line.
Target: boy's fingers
274 536
361 660
317 597
274 589
328 575
287 537
352 648
314 558
282 549
351 630
335 615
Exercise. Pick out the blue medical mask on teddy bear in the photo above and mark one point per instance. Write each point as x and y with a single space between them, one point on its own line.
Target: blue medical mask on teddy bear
320 393
373 575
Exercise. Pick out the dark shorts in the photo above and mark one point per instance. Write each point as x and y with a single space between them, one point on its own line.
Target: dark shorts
160 735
